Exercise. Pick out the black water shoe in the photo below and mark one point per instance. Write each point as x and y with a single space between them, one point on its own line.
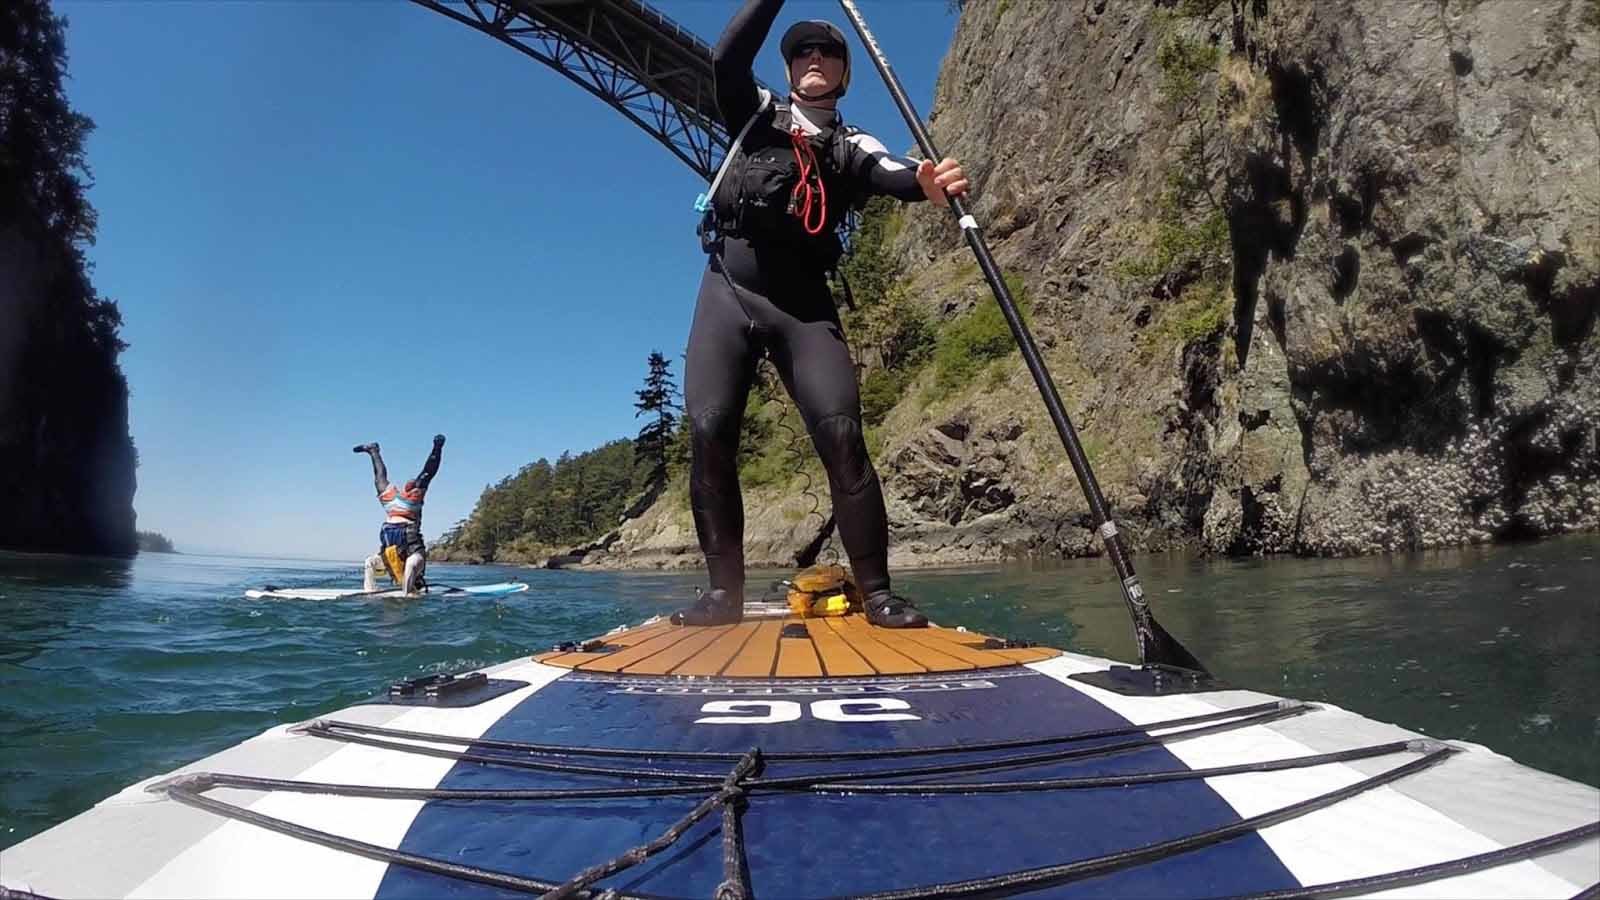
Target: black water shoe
887 610
716 607
363 448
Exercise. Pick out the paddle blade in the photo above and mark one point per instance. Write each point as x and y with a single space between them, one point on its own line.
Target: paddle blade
1160 648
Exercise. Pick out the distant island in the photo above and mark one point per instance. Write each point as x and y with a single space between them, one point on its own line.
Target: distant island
154 542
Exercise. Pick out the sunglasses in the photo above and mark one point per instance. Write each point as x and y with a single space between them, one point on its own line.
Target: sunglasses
831 51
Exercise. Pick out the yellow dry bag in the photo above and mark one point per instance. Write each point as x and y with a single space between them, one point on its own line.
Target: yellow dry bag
823 591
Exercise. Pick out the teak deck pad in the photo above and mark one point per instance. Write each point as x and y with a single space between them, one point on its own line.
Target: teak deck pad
843 646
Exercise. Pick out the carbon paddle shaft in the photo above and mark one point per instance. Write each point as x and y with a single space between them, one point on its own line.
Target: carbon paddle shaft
1156 646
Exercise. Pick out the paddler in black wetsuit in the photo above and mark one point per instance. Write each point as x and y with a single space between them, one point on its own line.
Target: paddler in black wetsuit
772 236
401 552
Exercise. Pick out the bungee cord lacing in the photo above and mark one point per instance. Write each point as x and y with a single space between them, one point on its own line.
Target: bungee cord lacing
1240 712
732 792
323 730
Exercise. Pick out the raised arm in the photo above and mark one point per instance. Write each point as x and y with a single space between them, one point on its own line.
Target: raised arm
734 57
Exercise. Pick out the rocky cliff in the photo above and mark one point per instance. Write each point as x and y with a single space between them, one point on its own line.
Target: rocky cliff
1316 277
66 458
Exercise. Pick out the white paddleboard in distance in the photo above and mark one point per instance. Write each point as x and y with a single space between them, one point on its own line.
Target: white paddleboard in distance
499 589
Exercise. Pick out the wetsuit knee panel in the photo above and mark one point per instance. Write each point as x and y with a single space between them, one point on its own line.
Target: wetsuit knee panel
844 451
714 424
715 430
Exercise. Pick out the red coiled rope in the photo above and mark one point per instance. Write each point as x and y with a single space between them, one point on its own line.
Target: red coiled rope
809 192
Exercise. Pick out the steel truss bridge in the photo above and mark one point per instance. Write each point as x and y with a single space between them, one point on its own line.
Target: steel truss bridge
641 63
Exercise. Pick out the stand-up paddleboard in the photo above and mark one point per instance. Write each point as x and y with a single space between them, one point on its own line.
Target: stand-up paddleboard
499 589
815 758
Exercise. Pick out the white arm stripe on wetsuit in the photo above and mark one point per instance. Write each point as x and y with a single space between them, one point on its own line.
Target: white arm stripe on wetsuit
884 172
875 149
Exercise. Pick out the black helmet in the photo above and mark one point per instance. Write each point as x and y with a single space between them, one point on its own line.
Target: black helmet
816 31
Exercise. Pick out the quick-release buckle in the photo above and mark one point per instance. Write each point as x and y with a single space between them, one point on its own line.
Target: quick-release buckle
440 685
710 239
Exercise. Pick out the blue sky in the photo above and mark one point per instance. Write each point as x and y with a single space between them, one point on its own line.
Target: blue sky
327 223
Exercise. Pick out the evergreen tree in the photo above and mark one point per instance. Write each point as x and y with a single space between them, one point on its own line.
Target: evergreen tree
658 398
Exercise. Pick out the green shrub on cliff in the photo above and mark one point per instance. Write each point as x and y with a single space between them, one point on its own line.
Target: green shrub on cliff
881 390
969 343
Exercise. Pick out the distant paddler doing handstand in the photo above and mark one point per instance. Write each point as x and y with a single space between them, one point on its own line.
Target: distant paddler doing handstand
401 552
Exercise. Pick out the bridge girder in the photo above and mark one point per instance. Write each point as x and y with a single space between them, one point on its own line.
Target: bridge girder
633 58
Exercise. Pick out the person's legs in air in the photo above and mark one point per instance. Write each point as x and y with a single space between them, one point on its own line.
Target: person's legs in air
430 467
380 472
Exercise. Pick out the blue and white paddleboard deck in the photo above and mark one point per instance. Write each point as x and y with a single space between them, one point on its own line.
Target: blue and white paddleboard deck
1392 802
472 590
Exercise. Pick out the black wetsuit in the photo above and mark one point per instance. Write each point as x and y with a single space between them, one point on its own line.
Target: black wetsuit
766 292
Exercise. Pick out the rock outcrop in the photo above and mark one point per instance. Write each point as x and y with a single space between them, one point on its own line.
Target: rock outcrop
1408 355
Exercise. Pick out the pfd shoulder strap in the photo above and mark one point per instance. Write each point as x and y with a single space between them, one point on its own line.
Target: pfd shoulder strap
703 202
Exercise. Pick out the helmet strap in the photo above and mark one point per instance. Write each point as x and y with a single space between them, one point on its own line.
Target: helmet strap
825 100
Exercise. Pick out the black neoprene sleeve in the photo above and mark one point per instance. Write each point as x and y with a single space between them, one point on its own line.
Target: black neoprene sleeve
734 57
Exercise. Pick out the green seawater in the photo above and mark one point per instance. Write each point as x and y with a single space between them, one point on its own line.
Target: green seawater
113 671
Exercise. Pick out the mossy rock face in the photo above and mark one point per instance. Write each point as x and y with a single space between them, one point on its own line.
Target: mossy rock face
1589 17
1201 314
1336 278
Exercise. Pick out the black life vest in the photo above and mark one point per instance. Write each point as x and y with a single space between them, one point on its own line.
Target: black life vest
754 199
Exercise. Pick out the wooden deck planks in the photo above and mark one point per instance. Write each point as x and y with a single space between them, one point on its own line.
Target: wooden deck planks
616 662
968 639
759 655
1027 654
972 642
982 659
846 646
837 657
638 635
797 658
573 659
885 659
665 661
719 652
929 658
565 659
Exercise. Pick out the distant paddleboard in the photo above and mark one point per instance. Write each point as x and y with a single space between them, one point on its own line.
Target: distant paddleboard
474 590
